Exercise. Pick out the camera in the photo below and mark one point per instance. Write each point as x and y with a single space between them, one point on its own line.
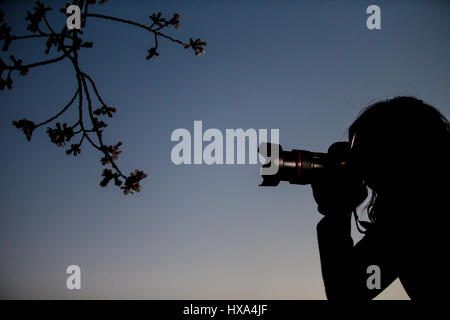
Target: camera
301 166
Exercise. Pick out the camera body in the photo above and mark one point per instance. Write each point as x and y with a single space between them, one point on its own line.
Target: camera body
301 166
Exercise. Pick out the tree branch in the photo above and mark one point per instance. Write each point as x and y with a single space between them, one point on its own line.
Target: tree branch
62 133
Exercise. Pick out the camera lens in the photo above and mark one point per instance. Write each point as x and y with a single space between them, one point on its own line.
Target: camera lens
295 166
301 166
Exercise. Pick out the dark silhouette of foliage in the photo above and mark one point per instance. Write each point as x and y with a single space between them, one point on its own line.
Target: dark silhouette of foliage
67 45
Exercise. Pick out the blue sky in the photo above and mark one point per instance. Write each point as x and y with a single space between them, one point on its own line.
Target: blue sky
304 67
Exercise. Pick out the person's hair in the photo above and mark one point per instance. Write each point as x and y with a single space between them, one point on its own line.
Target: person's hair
411 134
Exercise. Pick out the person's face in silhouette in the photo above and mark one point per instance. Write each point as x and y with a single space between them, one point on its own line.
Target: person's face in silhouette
400 149
369 156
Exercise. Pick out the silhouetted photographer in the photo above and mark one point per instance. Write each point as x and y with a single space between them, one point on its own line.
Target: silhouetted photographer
398 148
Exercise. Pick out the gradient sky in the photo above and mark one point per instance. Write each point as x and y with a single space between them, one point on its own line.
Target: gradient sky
304 67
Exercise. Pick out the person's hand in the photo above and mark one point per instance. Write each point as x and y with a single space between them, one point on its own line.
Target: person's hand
339 190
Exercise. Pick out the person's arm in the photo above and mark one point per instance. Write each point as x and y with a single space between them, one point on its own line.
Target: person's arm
338 192
344 266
